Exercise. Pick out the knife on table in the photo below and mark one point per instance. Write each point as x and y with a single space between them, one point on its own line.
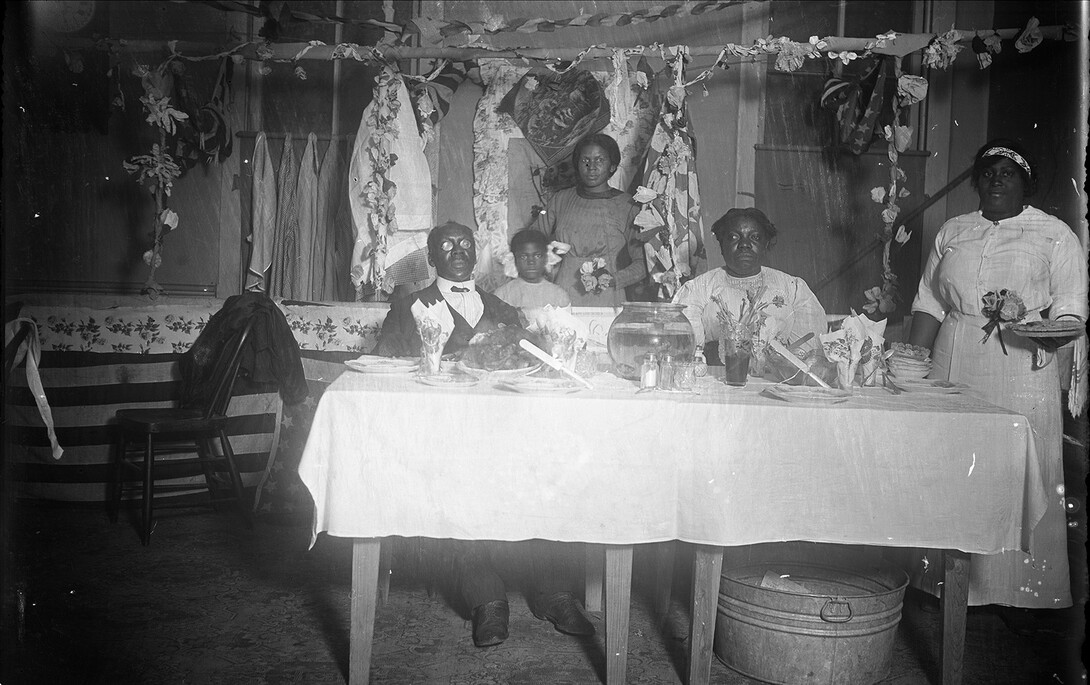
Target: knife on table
798 363
551 361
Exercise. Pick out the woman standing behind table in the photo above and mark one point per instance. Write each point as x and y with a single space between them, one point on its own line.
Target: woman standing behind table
596 221
1007 245
746 236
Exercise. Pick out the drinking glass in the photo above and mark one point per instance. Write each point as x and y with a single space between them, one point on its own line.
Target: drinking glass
736 355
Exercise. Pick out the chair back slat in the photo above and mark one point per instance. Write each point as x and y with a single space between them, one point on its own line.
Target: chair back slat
226 370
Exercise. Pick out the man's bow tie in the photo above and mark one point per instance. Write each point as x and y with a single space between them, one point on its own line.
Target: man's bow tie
456 289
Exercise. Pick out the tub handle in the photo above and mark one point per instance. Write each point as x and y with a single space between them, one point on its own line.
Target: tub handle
833 613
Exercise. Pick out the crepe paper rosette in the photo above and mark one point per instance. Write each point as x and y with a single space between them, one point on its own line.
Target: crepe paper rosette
594 277
1004 306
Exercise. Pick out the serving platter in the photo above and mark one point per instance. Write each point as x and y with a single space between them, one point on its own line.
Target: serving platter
372 364
540 386
448 380
930 386
1047 329
498 373
801 393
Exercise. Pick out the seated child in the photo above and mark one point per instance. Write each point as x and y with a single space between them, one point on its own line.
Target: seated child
531 290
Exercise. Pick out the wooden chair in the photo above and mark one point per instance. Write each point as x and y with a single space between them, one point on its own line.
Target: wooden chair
180 430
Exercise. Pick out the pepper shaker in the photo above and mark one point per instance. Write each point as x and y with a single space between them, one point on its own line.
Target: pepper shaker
666 373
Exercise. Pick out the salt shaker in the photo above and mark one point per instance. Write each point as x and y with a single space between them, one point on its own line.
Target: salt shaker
649 372
666 373
701 364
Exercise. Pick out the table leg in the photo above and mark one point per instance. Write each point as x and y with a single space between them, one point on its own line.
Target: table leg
384 572
707 569
595 571
664 578
365 556
618 602
953 604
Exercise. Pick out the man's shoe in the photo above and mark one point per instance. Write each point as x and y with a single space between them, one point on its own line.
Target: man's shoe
565 613
490 623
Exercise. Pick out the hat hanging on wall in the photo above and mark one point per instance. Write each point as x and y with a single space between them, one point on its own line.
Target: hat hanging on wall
555 110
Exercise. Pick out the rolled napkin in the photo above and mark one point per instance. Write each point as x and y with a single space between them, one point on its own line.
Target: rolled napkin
871 359
435 323
563 333
844 348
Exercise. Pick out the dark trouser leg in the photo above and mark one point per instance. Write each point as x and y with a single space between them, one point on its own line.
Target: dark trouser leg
552 569
555 594
478 582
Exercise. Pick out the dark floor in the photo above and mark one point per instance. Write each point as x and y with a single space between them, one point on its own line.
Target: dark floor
212 602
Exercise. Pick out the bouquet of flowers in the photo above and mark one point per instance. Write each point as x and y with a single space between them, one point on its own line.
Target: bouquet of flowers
594 276
743 329
1005 306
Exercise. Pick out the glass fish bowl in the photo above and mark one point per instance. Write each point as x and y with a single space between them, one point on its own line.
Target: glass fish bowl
643 328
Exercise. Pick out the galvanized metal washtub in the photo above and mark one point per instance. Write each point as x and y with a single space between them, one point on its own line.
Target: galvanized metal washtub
831 619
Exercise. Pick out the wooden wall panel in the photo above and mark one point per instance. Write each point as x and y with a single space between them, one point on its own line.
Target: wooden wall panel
824 215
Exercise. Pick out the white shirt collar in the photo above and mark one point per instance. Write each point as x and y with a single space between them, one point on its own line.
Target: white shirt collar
446 285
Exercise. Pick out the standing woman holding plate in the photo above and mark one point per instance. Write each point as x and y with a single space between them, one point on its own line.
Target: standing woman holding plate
597 222
1003 263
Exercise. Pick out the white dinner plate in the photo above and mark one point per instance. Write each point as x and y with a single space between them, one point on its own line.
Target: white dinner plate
372 364
929 385
799 393
1047 329
448 380
540 386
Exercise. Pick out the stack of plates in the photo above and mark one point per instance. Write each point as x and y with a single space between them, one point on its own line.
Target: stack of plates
908 362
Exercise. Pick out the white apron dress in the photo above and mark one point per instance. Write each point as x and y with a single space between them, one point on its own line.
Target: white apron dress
1039 257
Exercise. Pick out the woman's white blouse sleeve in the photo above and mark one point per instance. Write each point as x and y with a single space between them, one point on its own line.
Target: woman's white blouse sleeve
927 296
1068 277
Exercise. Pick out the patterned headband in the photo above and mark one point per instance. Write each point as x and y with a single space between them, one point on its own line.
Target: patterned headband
1009 154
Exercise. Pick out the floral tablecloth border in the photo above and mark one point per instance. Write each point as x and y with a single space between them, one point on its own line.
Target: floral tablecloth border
166 329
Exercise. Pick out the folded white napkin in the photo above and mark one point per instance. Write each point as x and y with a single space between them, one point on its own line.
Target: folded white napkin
434 322
846 347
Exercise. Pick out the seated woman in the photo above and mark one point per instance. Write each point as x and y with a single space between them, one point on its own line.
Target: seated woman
597 222
745 236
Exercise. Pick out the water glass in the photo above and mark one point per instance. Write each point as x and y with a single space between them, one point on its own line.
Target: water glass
684 376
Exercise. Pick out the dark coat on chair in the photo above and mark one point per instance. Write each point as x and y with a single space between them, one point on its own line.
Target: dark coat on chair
399 337
271 354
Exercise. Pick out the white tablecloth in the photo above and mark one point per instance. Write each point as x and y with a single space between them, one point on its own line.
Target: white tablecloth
729 466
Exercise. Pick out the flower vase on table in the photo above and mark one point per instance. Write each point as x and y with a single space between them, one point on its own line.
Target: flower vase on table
740 334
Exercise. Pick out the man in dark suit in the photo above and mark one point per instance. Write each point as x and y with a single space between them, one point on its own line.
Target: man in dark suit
453 253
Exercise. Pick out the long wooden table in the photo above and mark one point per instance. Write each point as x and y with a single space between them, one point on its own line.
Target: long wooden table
387 456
